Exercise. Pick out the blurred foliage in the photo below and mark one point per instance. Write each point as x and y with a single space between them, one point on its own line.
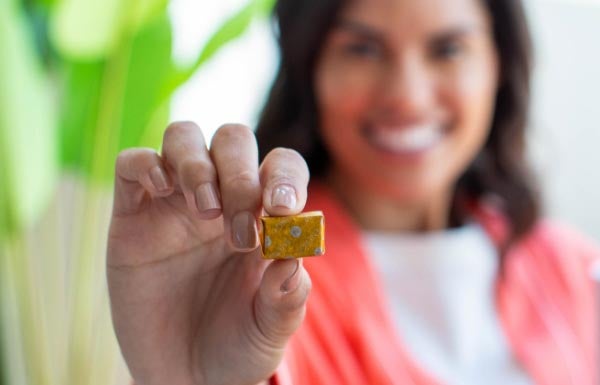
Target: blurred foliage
79 81
27 122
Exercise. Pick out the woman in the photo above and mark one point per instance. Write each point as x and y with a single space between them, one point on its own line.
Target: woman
410 115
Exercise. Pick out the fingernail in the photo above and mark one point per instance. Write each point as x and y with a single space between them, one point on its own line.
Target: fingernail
158 178
284 196
207 198
244 233
292 281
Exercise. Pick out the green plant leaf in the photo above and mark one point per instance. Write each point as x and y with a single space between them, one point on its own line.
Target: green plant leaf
114 104
149 68
91 30
233 28
27 126
264 7
82 81
85 29
131 105
144 11
45 3
3 317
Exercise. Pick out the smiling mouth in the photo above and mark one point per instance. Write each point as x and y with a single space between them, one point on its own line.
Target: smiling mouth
405 140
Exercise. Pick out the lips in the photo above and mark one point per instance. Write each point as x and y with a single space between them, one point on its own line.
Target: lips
406 140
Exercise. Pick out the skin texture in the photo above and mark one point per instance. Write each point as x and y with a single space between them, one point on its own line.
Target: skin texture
188 305
192 301
394 65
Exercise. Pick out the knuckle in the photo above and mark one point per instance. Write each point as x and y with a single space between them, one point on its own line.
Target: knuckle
290 158
126 153
127 156
122 157
233 132
278 176
271 331
180 128
286 154
121 162
284 164
131 162
242 180
192 169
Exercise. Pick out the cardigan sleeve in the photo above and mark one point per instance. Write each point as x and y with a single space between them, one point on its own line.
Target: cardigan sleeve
282 375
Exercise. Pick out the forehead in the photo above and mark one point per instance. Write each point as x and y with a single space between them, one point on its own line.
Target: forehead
407 17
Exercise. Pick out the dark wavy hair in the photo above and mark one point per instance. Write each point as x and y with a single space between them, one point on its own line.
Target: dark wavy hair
290 117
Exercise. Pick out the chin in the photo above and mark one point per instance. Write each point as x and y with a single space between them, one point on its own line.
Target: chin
402 192
408 191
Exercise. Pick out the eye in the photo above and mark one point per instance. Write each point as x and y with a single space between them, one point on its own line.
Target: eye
447 49
365 49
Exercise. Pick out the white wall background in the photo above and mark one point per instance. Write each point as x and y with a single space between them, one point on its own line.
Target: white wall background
565 142
565 136
232 86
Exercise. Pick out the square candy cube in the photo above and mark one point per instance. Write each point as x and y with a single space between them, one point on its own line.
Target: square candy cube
295 236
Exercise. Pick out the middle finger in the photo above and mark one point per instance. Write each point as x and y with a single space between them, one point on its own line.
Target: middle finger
235 155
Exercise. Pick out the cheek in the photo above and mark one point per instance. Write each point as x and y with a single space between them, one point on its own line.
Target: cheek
472 97
342 102
469 98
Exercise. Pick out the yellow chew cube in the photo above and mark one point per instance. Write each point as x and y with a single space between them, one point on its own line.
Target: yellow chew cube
295 236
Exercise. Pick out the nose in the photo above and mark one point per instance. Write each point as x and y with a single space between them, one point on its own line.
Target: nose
407 89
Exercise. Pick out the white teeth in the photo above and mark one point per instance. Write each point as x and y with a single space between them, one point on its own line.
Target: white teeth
411 139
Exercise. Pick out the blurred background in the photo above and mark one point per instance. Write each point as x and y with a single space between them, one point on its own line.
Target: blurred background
82 79
565 127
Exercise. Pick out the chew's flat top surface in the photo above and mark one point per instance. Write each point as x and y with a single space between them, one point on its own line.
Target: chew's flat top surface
295 236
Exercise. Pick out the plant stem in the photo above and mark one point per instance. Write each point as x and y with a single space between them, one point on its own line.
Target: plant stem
87 280
27 323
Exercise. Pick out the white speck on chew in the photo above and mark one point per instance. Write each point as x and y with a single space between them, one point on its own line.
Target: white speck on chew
318 251
296 231
267 241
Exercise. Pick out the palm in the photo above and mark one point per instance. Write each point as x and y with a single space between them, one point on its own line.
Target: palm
181 277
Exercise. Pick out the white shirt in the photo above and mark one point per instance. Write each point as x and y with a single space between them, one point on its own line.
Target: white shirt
440 289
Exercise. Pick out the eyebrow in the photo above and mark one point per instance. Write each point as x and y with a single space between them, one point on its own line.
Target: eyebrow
457 32
358 28
366 31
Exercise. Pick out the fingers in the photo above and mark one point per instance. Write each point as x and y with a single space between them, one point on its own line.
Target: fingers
139 171
224 180
185 152
235 155
281 299
284 176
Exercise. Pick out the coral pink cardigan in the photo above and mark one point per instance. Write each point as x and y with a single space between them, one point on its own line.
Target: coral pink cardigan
545 301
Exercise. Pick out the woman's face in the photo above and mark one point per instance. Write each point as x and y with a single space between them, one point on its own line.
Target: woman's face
405 90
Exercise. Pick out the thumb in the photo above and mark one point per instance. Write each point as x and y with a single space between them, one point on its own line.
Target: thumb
281 300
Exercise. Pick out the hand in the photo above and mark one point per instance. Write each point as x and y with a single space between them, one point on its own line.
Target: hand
192 300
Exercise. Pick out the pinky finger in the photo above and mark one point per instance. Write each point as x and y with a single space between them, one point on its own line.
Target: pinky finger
139 171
